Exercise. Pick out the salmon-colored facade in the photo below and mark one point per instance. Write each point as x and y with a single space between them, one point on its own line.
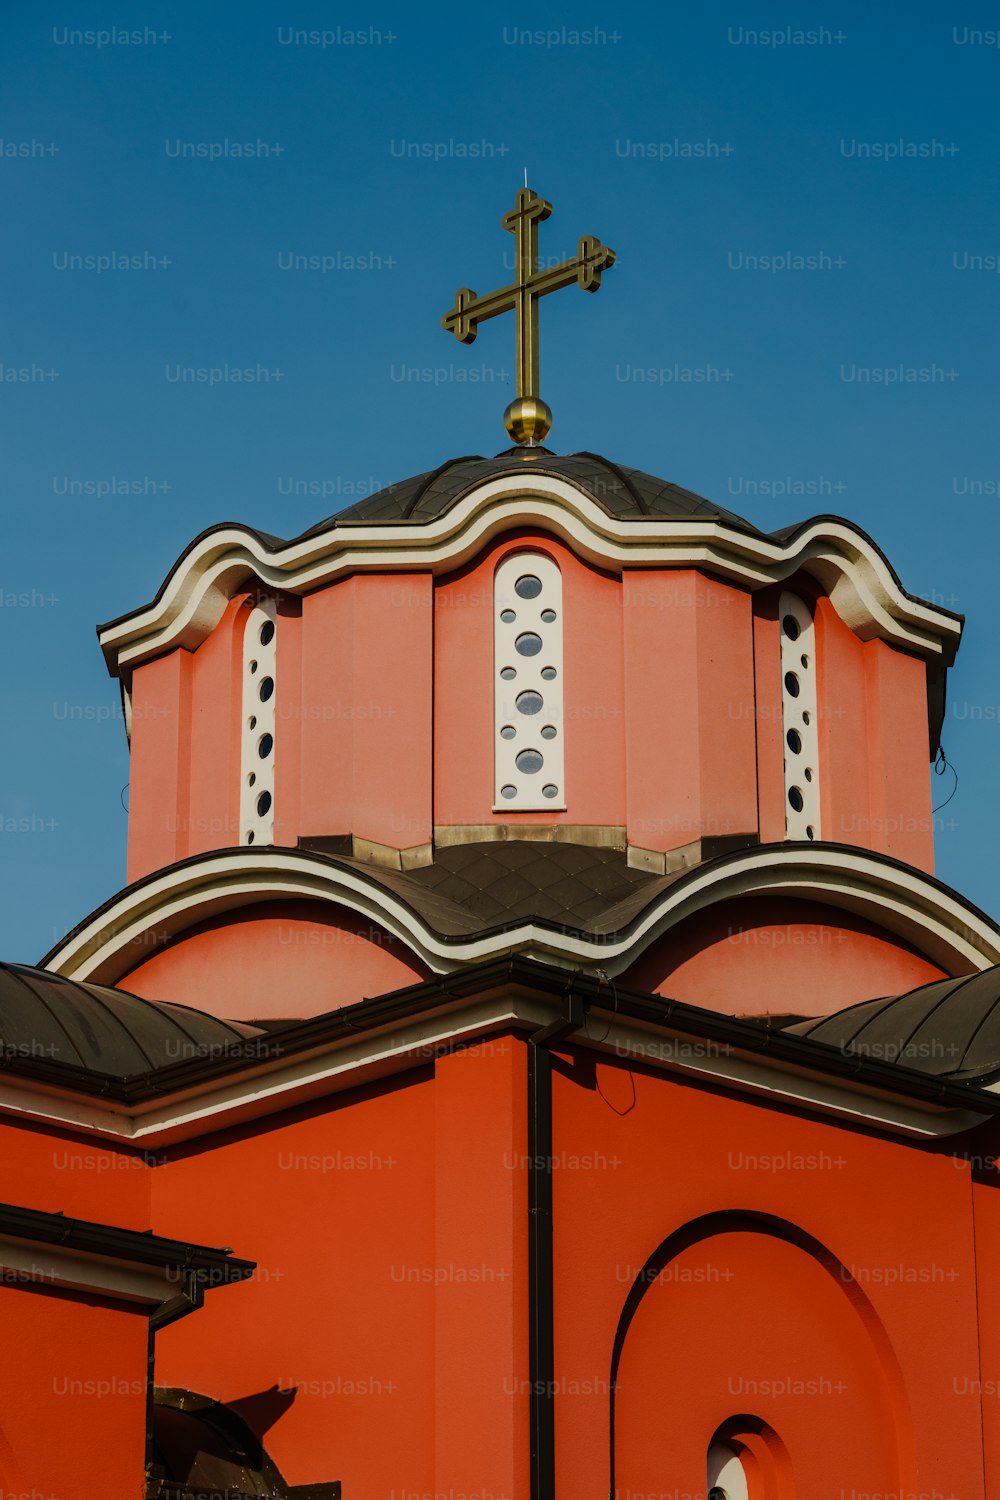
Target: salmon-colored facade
637 1141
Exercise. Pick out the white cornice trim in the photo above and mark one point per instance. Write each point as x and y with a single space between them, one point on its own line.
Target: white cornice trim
24 1262
267 1087
847 564
898 898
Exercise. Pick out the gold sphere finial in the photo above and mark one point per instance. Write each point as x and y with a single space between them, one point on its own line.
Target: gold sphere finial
528 420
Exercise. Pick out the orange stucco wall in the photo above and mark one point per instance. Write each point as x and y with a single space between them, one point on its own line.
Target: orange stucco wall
391 1294
825 1301
72 1397
185 749
277 959
690 720
57 1171
672 716
874 743
899 777
772 955
978 1386
366 709
159 765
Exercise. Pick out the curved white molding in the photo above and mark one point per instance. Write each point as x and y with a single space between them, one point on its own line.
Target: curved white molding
897 898
847 563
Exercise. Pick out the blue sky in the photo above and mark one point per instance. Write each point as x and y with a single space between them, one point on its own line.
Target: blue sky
690 139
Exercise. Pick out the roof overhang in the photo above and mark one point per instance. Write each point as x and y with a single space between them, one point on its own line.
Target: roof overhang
855 573
162 1277
407 1030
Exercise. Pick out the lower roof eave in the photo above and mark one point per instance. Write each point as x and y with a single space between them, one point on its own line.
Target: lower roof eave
163 1277
407 1029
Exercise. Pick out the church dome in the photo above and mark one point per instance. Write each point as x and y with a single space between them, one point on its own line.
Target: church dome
948 1029
49 1019
626 494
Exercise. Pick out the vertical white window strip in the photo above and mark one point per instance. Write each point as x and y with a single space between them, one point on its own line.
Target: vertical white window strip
798 718
257 758
528 693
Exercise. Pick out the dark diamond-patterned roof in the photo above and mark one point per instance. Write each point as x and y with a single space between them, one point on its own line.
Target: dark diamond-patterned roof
950 1028
477 888
558 882
628 494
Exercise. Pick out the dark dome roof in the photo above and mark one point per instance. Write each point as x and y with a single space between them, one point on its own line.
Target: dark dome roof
628 494
949 1029
49 1019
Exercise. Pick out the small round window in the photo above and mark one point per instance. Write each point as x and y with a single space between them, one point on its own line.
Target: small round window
528 644
529 702
529 762
528 586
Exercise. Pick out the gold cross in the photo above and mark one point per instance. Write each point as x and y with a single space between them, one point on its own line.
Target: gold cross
528 419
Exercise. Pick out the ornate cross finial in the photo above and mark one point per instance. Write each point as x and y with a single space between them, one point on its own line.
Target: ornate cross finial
528 419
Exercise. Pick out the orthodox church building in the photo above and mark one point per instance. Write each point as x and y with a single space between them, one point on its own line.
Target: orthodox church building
530 1054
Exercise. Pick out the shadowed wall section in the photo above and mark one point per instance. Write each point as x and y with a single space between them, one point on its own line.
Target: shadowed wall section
742 1313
